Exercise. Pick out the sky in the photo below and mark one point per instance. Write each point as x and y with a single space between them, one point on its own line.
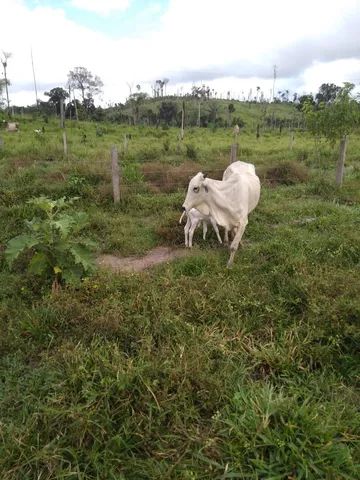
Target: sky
229 45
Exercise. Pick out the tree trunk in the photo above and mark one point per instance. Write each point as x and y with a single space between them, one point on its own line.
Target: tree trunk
341 161
182 121
75 105
7 91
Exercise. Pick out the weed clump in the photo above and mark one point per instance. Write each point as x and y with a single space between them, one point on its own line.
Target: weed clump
191 151
170 232
286 173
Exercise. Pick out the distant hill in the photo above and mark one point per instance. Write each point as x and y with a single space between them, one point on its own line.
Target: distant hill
211 112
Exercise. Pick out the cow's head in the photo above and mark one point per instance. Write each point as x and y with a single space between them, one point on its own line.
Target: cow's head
197 191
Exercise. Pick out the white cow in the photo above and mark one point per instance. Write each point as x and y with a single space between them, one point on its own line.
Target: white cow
194 217
228 201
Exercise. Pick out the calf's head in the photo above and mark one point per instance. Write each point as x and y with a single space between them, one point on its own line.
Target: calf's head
197 191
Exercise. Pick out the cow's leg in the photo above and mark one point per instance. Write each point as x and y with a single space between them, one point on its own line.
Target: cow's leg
226 236
237 239
186 231
215 227
194 224
204 224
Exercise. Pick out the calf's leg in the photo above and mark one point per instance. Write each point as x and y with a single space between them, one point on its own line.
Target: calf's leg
186 231
194 224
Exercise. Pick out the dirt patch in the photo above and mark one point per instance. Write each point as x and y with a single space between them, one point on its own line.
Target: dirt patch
137 264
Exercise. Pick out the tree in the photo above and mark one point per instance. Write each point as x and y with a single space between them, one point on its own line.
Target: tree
159 87
305 100
2 86
4 58
168 112
72 109
55 95
231 109
135 101
165 81
82 79
327 93
335 121
213 111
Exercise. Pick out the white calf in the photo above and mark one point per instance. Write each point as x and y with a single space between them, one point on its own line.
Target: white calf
194 217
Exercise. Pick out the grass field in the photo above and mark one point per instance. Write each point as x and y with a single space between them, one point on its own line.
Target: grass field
187 370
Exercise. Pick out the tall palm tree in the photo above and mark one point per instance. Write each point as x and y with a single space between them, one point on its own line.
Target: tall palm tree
4 59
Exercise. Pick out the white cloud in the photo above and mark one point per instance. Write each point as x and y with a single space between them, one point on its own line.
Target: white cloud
338 72
102 7
230 45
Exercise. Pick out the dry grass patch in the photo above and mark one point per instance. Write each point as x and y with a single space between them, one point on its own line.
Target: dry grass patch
286 173
168 178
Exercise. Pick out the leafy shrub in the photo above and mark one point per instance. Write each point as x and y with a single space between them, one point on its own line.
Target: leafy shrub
149 153
131 173
238 121
191 151
76 184
54 252
166 145
302 155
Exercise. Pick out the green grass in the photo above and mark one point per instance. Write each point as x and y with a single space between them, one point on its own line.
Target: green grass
187 370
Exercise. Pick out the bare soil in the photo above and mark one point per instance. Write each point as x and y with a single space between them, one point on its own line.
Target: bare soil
137 264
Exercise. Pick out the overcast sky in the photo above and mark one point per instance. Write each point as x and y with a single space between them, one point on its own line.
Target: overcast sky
227 44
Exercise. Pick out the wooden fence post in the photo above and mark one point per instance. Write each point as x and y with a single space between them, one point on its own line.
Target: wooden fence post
115 173
62 122
234 146
233 152
341 162
65 143
62 125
